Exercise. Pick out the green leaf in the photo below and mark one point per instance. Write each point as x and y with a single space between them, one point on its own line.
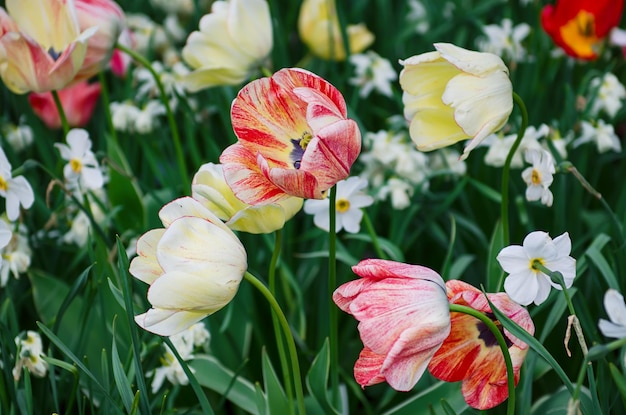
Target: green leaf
121 381
595 255
213 375
619 380
494 270
558 402
459 266
391 249
317 379
276 399
427 402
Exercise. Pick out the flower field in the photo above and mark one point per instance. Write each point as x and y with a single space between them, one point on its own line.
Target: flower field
312 207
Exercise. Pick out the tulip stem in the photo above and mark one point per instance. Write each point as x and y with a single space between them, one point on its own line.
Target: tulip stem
182 165
275 322
374 237
504 206
57 102
291 344
333 329
510 375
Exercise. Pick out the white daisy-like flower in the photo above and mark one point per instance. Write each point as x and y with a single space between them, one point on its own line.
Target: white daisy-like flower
16 190
349 201
601 133
372 72
505 40
526 284
82 166
538 177
610 94
616 310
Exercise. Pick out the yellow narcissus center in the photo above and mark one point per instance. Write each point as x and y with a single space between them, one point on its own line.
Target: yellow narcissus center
535 177
343 205
76 165
3 184
534 264
300 145
580 34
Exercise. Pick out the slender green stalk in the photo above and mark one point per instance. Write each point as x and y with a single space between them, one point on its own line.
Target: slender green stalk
374 237
510 375
275 322
291 344
182 165
104 93
57 102
507 168
333 329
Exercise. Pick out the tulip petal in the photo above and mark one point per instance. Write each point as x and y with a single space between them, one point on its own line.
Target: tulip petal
167 322
145 266
367 368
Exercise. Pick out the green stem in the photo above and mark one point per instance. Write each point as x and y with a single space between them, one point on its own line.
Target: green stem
104 93
333 329
456 308
182 165
504 206
291 344
370 229
275 322
57 102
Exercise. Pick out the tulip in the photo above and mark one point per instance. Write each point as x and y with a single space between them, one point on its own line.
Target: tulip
454 94
78 103
194 266
41 45
318 25
108 17
581 26
210 188
294 139
403 319
471 353
233 39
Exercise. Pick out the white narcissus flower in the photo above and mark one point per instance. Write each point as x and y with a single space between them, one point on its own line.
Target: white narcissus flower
526 284
499 147
454 94
82 167
538 177
15 254
400 192
233 39
210 188
349 201
18 136
372 72
616 310
602 133
194 266
505 40
29 355
16 190
610 94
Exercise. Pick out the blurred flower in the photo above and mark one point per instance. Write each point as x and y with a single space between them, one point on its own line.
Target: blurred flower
616 310
403 319
15 253
82 167
78 101
454 94
348 204
120 61
609 96
294 138
108 17
233 39
505 40
318 26
471 352
175 6
127 117
418 16
538 177
29 355
16 190
580 26
602 133
447 160
400 192
194 266
184 343
18 136
372 72
80 225
147 36
525 283
210 188
36 55
499 146
170 80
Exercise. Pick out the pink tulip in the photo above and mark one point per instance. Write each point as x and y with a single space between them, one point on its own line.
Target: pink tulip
78 103
471 353
294 138
403 319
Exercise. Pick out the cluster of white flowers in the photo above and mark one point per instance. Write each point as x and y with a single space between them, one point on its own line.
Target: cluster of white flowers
601 133
127 117
609 95
185 343
372 72
499 145
18 136
15 252
505 40
147 86
29 355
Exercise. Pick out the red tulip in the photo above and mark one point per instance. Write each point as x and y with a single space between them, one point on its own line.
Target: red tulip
294 138
580 26
78 102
